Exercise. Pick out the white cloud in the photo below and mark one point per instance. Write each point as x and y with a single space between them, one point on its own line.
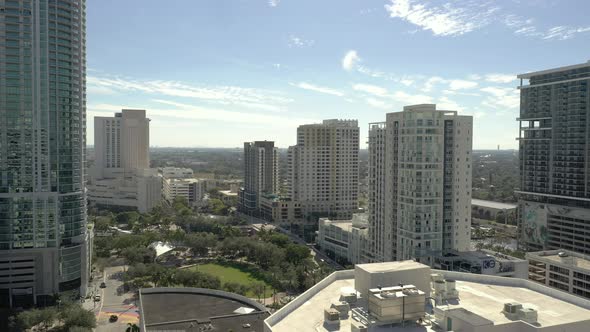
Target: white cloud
461 84
320 89
377 103
564 32
273 3
444 20
406 82
460 93
501 98
300 42
429 84
411 99
371 89
500 78
233 95
460 17
350 60
525 27
444 103
190 112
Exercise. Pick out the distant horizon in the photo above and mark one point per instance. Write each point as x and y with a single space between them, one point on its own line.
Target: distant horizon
283 148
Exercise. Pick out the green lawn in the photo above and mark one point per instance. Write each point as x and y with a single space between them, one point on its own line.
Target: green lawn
232 273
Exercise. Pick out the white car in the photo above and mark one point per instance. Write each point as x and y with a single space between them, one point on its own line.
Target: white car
96 298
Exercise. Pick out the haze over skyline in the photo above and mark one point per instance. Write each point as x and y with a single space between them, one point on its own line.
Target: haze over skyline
219 73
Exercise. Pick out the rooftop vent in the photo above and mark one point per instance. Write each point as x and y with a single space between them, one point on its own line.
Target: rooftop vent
516 311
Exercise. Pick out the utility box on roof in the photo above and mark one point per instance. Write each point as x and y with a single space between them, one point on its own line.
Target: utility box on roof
374 275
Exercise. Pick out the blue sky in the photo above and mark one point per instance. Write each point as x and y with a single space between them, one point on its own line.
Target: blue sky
216 73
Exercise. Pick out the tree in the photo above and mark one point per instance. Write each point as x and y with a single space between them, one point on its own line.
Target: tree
258 289
216 206
47 316
132 328
231 287
297 253
74 315
128 218
200 243
138 255
30 318
280 240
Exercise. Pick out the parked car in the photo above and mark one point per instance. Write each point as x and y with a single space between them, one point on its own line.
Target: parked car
103 285
113 318
96 298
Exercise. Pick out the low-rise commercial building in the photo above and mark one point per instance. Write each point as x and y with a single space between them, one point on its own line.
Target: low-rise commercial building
198 309
230 197
565 270
344 240
490 210
177 173
280 210
139 190
483 262
409 296
189 188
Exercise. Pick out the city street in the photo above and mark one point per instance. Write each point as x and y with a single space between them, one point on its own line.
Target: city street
115 302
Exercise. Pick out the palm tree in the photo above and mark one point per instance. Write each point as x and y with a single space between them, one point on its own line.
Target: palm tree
132 328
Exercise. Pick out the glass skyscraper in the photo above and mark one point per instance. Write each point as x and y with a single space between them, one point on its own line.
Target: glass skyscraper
43 233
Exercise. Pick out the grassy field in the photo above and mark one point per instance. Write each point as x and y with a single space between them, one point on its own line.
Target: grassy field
232 273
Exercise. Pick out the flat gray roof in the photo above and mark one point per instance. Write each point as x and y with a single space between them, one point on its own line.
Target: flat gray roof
483 298
552 256
493 205
183 308
391 266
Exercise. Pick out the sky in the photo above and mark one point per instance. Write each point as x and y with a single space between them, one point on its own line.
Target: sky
216 73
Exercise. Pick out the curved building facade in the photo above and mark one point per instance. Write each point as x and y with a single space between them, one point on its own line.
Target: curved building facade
43 233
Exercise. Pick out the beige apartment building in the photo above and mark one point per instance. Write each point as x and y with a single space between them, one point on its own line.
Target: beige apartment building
323 169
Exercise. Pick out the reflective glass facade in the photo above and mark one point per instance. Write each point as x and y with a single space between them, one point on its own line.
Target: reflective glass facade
42 132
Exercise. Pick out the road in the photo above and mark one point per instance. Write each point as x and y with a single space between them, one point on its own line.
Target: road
115 302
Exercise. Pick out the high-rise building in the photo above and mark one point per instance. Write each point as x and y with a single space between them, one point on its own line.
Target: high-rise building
43 234
120 176
261 174
121 142
554 193
323 170
419 184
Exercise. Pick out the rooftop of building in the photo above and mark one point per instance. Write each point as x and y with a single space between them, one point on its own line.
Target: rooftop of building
562 257
389 266
493 205
482 254
481 299
553 70
359 220
334 123
188 309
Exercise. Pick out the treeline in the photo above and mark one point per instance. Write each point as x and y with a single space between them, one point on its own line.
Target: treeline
69 317
270 256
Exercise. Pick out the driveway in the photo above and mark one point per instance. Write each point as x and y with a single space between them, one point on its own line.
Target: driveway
114 301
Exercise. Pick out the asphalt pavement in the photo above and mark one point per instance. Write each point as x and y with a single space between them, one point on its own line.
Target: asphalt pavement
115 301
